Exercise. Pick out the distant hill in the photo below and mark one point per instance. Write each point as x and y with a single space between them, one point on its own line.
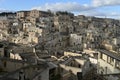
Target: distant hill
7 13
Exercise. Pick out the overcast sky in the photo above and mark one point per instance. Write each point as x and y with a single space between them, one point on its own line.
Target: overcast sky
101 8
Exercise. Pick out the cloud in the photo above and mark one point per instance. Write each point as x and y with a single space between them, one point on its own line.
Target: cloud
96 13
93 13
5 10
97 3
75 6
84 9
69 6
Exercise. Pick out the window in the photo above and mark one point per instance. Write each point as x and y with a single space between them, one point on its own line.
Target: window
117 65
79 66
101 56
108 59
111 61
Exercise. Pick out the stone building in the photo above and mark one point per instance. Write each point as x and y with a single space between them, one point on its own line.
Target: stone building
108 62
23 14
36 13
63 23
